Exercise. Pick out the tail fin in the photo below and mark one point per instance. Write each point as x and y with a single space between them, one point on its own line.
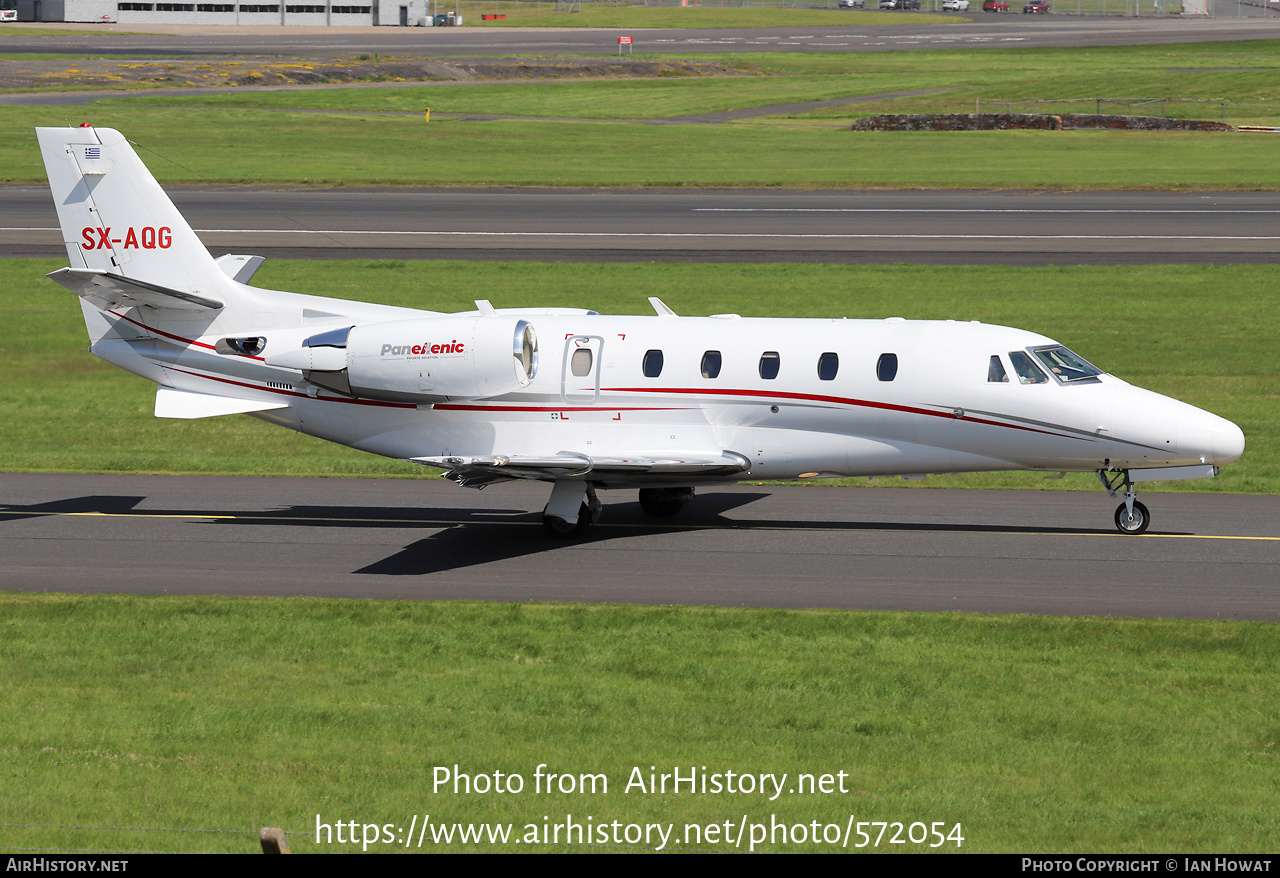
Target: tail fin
116 219
129 247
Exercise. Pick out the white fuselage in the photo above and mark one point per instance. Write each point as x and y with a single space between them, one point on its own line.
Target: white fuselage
939 413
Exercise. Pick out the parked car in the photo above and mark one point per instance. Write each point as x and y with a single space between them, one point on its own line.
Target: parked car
955 5
1039 7
852 4
906 4
995 6
888 4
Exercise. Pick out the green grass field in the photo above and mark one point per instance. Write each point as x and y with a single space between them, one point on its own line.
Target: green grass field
1198 333
251 137
1241 73
245 146
1034 734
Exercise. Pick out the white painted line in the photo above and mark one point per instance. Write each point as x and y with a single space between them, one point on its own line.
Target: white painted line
849 237
1125 210
747 235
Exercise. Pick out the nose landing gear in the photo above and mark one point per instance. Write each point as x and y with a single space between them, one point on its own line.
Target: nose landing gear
1131 516
1132 521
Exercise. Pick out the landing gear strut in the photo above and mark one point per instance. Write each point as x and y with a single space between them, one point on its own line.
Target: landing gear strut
664 502
1132 517
572 509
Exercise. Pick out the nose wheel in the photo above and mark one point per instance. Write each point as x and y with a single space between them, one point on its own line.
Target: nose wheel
1132 521
1132 517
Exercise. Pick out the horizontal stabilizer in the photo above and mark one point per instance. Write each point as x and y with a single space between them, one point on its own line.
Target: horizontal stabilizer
107 291
188 405
239 268
568 464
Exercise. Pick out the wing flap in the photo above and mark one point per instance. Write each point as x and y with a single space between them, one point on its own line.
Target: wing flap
107 290
188 405
481 470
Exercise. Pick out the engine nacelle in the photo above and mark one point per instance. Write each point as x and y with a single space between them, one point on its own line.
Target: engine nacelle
431 359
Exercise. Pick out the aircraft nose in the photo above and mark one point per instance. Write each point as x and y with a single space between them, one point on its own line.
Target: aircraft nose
1209 437
1228 441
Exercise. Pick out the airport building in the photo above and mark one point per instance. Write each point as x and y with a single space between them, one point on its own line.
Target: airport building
402 13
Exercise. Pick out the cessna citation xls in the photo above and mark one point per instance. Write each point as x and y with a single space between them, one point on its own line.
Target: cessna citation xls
586 401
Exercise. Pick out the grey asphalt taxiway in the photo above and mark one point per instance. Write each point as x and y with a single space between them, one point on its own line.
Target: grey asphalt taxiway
938 227
912 32
1056 553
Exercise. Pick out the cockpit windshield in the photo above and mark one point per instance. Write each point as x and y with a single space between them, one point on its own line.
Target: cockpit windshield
1067 366
1025 368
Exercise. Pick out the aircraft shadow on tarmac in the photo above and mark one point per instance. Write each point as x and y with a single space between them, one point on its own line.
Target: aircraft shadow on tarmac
471 537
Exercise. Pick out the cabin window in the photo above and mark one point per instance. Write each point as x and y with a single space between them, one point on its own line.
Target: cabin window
995 371
1026 370
828 366
769 365
711 364
887 367
580 362
652 364
1066 365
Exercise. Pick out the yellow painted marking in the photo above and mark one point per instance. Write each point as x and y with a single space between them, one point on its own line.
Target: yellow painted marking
746 525
132 514
200 516
1202 537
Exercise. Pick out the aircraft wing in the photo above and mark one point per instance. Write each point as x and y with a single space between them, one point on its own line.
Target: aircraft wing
476 472
107 290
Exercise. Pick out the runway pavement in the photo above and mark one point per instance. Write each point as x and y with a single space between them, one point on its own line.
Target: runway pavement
944 227
1206 556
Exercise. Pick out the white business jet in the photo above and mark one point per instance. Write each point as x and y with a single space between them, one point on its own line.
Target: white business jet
587 401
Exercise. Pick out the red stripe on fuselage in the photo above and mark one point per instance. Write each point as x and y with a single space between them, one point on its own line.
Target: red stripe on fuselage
461 407
189 341
836 400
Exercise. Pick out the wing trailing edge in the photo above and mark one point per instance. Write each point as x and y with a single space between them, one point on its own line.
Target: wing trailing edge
480 471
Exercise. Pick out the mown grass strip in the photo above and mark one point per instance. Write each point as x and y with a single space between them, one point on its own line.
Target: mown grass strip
808 150
243 146
1202 334
1239 73
1036 734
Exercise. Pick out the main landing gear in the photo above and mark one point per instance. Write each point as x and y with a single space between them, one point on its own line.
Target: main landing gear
1132 517
572 509
664 502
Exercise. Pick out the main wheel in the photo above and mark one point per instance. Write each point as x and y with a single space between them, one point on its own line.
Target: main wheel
664 502
558 527
1135 524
